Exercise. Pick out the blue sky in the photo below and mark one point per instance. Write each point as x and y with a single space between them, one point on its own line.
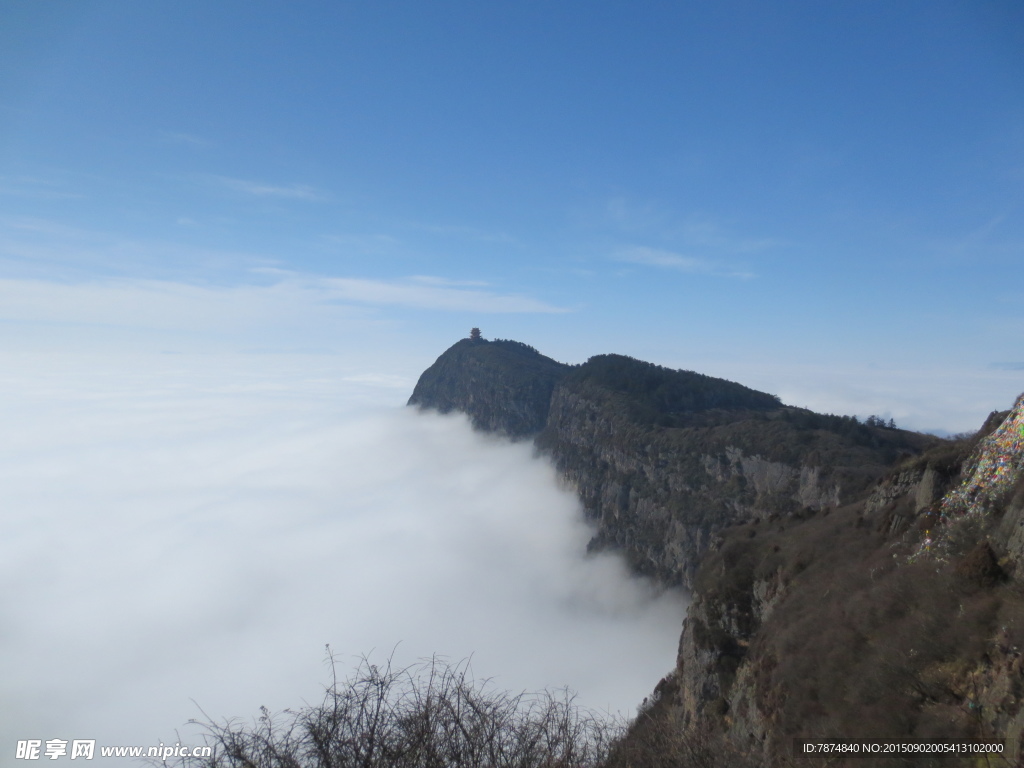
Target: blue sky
819 199
232 234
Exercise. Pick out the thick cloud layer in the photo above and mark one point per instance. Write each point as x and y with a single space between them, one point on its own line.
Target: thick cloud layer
182 534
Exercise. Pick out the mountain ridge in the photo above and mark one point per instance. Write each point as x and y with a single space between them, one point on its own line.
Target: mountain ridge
848 580
662 459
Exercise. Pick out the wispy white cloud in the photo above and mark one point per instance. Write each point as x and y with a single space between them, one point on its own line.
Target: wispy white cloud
47 227
166 305
656 257
33 246
436 294
282 308
263 189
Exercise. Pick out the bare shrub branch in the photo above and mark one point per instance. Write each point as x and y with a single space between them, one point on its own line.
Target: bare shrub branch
430 715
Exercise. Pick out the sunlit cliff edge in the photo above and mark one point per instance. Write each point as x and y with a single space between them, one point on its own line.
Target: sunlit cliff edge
849 580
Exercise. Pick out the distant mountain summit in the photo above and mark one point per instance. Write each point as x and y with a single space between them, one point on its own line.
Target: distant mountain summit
503 386
662 459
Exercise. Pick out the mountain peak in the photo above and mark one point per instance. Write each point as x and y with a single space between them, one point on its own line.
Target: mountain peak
503 386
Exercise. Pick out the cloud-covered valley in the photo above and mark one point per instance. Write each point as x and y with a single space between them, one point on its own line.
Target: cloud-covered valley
184 533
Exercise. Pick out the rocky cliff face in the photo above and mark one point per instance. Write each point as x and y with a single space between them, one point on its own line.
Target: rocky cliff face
848 581
899 615
661 494
992 477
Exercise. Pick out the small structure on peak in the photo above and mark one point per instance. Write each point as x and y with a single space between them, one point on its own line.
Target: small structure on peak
474 334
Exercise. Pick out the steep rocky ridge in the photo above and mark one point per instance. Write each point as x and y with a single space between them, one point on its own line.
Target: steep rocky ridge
663 460
899 616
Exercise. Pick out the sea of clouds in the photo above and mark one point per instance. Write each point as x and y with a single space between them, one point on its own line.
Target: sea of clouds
187 527
184 536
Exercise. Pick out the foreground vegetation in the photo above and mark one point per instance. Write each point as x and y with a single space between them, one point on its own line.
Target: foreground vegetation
437 715
428 715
